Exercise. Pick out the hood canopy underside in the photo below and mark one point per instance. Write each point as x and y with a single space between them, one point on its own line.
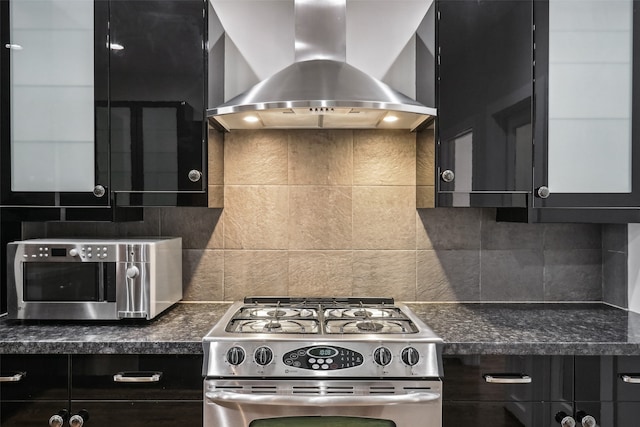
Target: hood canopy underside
321 94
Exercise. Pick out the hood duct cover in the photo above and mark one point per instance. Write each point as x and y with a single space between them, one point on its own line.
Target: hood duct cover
320 90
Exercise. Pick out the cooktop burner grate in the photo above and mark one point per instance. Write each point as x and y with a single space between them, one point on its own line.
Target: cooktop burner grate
270 326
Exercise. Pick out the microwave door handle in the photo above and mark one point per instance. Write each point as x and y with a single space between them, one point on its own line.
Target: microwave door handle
279 399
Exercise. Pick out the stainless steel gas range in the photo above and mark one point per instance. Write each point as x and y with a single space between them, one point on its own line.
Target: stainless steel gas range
320 362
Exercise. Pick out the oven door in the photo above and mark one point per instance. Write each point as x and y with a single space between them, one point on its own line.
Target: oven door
304 403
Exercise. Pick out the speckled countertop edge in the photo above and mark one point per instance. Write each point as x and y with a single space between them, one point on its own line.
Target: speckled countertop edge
466 328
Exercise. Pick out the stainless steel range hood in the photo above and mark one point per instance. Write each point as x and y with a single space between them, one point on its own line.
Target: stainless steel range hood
320 90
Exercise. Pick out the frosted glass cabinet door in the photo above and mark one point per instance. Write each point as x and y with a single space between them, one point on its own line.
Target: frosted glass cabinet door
586 54
52 91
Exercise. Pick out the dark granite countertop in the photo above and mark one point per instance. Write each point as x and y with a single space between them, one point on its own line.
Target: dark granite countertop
178 330
544 329
474 328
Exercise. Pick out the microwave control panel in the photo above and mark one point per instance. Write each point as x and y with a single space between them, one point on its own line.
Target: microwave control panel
70 252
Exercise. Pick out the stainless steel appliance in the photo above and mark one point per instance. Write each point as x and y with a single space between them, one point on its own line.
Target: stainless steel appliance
321 362
320 89
93 279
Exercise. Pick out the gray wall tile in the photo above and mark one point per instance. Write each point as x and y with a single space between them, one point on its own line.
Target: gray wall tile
255 273
448 228
614 278
384 157
572 236
202 275
384 217
425 158
200 228
385 273
573 275
320 273
614 237
256 158
321 157
320 217
256 217
447 275
508 235
511 275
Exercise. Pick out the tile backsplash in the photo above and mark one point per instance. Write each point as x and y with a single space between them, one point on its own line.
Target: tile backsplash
334 212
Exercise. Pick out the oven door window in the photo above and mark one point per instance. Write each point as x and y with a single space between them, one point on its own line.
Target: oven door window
62 281
322 422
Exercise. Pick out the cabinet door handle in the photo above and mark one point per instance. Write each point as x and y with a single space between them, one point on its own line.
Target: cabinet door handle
448 175
17 376
507 378
631 378
137 377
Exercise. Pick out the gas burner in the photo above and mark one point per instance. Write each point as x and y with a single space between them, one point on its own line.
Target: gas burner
268 326
369 326
273 325
276 312
364 313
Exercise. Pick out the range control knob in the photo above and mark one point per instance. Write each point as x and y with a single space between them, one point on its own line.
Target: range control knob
58 419
565 420
79 419
235 356
263 356
410 356
585 419
382 356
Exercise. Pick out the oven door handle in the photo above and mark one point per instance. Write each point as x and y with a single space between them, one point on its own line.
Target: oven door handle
281 399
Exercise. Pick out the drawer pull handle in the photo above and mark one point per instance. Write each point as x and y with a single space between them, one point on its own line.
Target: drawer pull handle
137 377
631 379
15 377
507 378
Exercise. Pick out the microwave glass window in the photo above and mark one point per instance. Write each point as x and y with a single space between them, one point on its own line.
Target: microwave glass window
61 281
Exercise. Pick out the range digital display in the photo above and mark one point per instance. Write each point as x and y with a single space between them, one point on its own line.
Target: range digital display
322 352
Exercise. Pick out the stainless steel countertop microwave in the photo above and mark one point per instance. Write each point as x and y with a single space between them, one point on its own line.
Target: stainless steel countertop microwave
93 279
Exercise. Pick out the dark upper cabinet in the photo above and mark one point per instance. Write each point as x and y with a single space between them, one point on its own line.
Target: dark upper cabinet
103 103
54 79
587 86
535 102
484 102
157 102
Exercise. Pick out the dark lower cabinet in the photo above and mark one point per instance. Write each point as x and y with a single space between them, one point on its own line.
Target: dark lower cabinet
136 377
30 413
604 390
32 389
118 390
608 389
506 390
158 413
137 390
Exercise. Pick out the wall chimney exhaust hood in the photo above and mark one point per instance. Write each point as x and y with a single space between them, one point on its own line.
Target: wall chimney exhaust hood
320 90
